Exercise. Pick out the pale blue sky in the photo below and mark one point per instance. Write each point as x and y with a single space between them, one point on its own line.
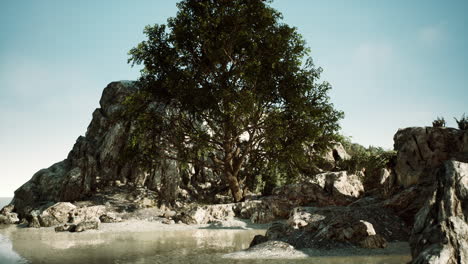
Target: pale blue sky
392 64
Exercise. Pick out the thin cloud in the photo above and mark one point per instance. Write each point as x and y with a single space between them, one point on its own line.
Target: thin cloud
373 55
432 34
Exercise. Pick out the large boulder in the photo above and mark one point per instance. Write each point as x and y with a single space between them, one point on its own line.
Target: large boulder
408 202
333 155
7 216
422 149
325 189
205 214
56 214
440 233
264 210
338 226
342 185
87 225
85 214
269 250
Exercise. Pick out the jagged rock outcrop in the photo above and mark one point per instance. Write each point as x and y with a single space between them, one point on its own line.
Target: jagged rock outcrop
337 226
408 202
386 183
333 155
264 210
325 189
86 214
341 185
56 214
93 162
440 233
420 150
7 216
68 214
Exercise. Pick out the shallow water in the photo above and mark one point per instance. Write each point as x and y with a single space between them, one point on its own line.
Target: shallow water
37 246
23 245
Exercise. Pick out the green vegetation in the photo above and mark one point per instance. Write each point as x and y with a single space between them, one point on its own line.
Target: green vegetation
439 122
463 122
370 161
228 87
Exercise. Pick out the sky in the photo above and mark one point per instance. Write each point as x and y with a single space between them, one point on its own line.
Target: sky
392 64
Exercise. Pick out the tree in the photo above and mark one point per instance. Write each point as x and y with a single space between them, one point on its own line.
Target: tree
231 84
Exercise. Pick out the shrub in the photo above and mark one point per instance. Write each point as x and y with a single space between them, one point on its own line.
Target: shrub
369 160
439 122
463 122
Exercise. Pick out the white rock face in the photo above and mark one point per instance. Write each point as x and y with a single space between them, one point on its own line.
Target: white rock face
207 214
340 183
57 214
440 232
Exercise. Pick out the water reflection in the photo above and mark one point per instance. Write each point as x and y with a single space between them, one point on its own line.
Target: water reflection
7 254
167 246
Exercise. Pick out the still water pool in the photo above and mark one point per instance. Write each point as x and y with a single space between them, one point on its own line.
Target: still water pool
163 245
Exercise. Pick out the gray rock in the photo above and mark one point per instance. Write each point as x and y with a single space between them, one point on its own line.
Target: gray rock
7 216
373 241
56 214
325 189
422 149
340 183
88 213
440 233
65 228
408 202
206 214
386 184
88 225
333 155
263 211
331 227
92 162
277 231
269 250
258 239
168 222
110 218
34 222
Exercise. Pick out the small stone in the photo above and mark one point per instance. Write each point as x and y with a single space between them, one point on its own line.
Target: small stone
86 226
65 228
168 221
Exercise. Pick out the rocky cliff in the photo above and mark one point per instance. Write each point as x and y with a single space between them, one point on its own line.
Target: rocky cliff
440 233
94 161
426 194
423 149
425 190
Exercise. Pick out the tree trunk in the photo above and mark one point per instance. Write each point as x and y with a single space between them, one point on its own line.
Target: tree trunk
236 191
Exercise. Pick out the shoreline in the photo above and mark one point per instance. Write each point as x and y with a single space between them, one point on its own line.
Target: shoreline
150 229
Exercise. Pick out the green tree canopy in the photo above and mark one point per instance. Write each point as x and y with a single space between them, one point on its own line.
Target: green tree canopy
227 85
